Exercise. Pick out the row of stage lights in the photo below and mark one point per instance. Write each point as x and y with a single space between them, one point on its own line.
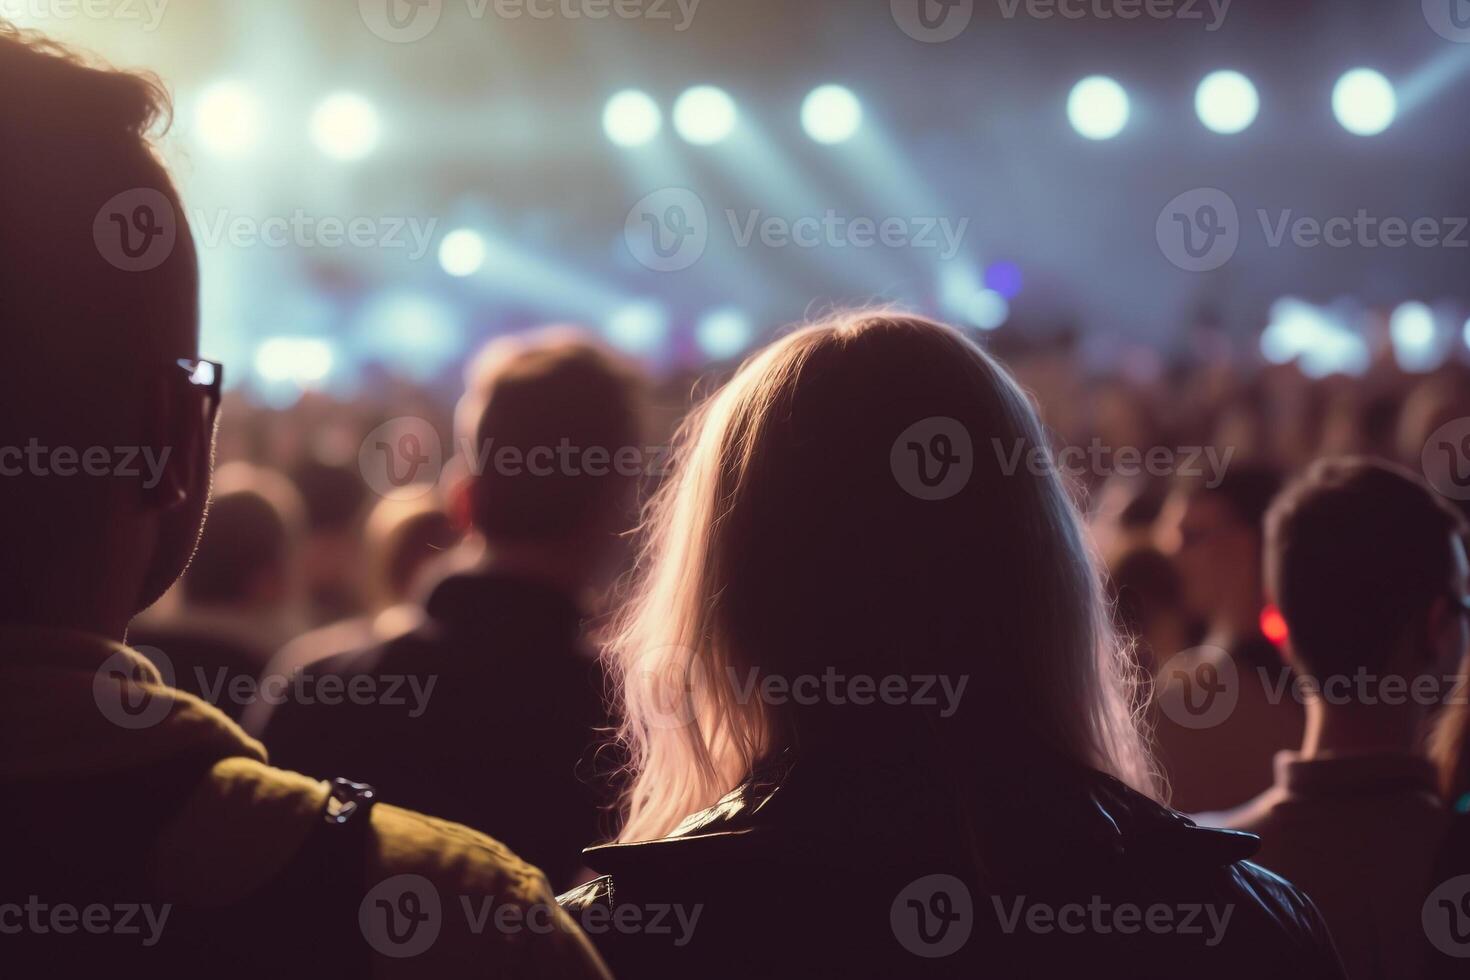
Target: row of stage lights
347 126
1363 100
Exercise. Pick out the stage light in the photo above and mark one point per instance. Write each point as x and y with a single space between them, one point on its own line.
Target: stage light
227 119
1467 333
705 115
1005 278
1098 107
1226 102
831 114
638 328
724 333
346 126
1364 102
987 309
631 118
303 361
462 252
1415 345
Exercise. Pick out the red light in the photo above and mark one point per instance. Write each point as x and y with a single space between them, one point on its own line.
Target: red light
1273 625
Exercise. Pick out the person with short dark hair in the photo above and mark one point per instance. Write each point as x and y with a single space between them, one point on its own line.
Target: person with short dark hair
1213 532
123 795
509 696
237 602
1368 568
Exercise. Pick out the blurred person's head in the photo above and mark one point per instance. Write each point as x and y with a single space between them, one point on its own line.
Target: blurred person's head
334 496
403 537
554 423
1148 604
105 439
1368 569
1213 531
806 530
246 555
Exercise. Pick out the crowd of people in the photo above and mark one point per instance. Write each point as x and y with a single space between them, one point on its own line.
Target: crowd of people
881 654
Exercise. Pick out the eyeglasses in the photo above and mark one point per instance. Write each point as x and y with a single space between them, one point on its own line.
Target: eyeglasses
208 375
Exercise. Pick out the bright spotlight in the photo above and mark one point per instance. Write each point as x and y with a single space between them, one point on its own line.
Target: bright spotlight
724 333
1364 102
1098 107
462 252
1467 333
227 119
831 114
1226 102
631 118
345 126
705 115
301 360
637 328
1411 328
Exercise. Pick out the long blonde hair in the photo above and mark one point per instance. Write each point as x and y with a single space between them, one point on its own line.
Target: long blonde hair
787 540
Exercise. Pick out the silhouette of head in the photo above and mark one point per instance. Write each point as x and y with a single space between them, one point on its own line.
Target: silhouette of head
104 441
1368 568
554 422
1216 531
847 506
245 554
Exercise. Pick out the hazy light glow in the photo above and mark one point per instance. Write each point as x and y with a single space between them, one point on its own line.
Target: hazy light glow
462 252
987 309
1415 343
1098 107
631 118
724 333
1005 278
1316 339
638 328
1364 102
413 335
346 127
705 115
302 360
831 114
1227 102
228 119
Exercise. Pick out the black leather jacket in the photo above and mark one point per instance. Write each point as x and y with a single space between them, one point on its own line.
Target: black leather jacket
799 874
